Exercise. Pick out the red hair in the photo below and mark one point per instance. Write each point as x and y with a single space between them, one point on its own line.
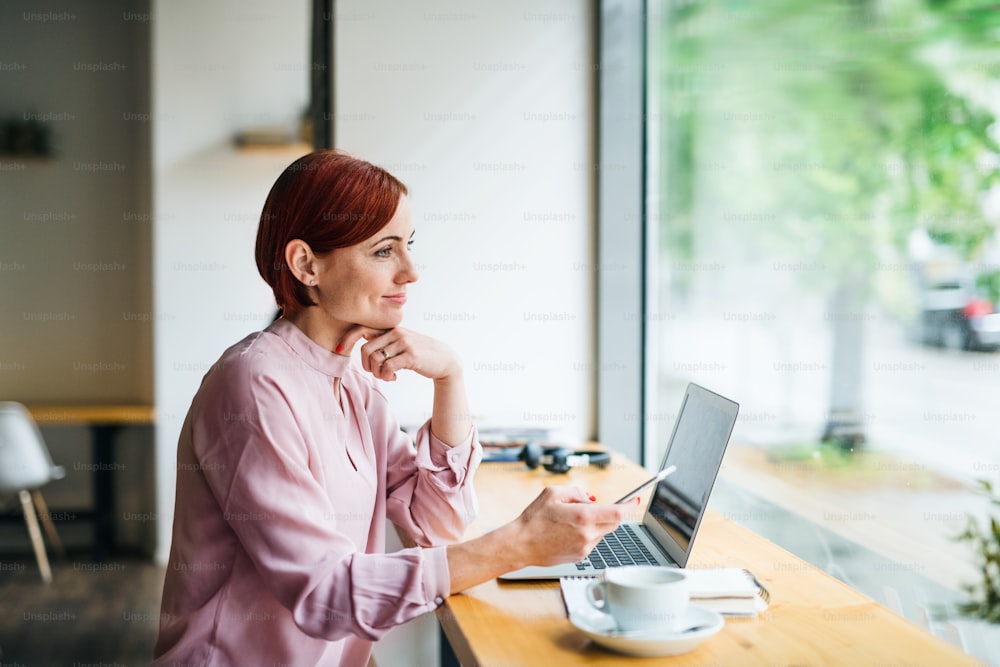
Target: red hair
329 200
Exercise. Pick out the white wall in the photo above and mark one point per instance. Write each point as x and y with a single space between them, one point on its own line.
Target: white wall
218 68
74 244
485 110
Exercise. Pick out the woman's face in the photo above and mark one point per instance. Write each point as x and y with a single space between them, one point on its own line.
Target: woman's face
366 283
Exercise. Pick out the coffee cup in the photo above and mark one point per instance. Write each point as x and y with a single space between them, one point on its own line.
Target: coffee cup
642 598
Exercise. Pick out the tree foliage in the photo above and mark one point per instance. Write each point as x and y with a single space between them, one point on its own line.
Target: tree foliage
842 121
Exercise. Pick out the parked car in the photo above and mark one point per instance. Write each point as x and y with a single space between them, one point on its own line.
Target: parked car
955 316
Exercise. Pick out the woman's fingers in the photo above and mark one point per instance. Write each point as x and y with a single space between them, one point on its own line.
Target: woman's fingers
353 335
562 525
387 351
383 354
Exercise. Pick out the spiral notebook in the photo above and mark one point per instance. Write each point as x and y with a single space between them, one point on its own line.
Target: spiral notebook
731 591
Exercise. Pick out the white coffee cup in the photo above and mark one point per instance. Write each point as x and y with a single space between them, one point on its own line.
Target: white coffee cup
642 597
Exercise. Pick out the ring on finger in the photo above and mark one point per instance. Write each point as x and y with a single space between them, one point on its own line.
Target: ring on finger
385 355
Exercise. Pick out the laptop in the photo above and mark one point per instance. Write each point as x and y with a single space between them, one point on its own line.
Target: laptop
666 534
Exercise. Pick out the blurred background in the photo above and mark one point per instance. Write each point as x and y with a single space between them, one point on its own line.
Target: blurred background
823 205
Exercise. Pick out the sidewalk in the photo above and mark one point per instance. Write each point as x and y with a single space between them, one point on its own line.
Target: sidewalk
899 510
882 526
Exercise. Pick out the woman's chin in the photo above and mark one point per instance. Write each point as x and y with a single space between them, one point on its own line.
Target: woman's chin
383 322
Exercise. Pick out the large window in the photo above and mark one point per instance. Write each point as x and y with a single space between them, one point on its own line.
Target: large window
821 225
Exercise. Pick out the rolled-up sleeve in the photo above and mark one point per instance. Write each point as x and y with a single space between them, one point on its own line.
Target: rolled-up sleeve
380 603
431 493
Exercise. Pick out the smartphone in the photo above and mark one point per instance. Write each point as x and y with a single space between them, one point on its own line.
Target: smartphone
652 480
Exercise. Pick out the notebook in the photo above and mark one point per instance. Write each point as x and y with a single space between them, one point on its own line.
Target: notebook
666 534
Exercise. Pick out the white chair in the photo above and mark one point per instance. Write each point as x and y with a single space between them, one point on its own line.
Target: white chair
25 466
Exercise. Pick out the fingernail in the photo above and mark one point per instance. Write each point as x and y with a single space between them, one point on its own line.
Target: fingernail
592 498
340 348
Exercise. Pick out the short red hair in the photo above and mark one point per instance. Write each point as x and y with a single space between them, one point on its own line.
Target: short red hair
329 200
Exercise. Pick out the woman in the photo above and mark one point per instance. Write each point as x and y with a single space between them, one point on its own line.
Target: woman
290 463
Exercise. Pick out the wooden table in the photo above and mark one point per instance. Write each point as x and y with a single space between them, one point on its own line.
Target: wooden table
104 422
813 619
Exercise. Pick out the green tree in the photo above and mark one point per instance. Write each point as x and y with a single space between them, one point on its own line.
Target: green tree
853 133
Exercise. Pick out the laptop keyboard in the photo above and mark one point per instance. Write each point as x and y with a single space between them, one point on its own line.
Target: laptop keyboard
621 547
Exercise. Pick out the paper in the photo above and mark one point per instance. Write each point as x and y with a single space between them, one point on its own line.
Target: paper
721 583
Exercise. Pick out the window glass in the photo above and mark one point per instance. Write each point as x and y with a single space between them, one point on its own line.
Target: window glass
823 215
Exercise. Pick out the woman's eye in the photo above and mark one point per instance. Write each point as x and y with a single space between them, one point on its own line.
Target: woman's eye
387 251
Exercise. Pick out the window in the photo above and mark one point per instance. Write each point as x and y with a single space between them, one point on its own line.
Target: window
820 234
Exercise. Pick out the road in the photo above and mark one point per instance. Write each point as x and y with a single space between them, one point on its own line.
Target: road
937 408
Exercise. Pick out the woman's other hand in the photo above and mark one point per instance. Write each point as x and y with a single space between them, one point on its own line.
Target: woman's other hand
387 351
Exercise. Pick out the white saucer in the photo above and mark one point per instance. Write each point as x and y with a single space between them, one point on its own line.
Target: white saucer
600 627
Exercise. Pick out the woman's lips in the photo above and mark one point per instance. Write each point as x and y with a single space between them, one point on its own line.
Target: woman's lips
399 299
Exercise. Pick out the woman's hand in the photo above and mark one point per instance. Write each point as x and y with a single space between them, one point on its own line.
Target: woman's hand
387 351
561 525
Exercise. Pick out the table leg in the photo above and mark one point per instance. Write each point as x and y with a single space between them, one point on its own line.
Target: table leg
448 657
104 489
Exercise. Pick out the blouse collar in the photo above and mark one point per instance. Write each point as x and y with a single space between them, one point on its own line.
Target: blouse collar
314 354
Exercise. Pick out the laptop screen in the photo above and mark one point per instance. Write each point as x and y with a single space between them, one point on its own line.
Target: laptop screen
697 445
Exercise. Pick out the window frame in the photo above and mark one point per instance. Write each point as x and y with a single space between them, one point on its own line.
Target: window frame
623 356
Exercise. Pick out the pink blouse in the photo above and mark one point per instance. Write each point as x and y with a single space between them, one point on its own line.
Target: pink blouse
283 493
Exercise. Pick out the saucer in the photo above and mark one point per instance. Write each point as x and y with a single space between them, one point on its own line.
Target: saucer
601 628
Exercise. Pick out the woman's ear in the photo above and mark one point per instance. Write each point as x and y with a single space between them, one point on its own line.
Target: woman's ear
301 261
